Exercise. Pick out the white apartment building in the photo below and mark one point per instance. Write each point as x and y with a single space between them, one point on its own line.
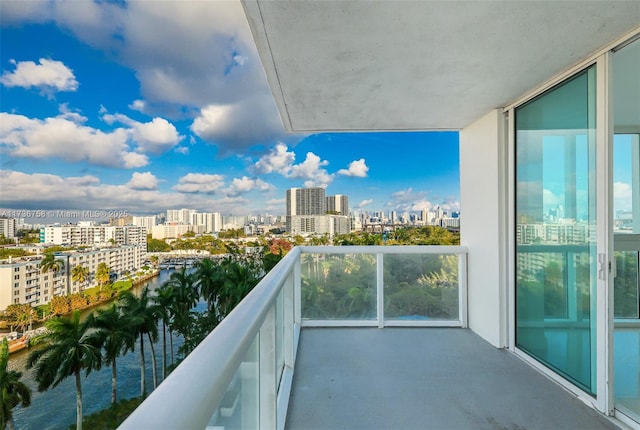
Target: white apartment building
91 235
8 227
320 224
120 260
234 221
211 222
145 221
338 204
21 280
170 231
180 215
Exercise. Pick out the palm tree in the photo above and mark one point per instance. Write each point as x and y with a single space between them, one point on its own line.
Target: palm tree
239 280
103 274
80 274
209 280
13 392
115 337
142 317
68 350
51 264
165 298
185 298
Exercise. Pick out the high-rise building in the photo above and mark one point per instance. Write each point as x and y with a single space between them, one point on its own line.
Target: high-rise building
211 222
306 201
307 210
179 215
8 227
145 221
338 204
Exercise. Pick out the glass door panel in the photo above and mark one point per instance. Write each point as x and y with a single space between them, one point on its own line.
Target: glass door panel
626 228
556 229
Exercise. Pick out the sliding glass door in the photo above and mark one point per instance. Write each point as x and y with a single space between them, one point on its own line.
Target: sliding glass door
626 227
555 219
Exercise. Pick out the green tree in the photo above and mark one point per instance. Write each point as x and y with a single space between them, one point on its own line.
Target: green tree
239 280
18 314
165 299
13 391
142 317
67 350
103 274
115 337
209 280
185 297
156 245
60 305
51 264
80 274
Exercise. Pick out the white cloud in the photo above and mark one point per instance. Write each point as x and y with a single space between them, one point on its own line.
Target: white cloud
47 75
311 170
549 198
622 196
239 125
184 150
357 168
133 159
143 181
158 41
245 185
44 191
277 160
62 138
156 136
72 116
411 200
138 105
200 183
364 203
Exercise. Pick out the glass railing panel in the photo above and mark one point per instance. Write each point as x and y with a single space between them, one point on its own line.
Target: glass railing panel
421 287
279 337
338 286
240 406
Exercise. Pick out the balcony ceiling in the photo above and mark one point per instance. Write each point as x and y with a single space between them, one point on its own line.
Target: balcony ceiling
420 65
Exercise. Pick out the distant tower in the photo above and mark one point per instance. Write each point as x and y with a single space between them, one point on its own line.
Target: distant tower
306 201
338 204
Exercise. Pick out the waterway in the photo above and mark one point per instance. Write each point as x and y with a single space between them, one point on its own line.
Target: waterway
56 407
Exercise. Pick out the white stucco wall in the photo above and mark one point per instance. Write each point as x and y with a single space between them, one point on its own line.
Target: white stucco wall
482 224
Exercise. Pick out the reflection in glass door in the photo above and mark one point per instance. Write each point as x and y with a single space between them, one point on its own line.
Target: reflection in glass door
626 211
556 229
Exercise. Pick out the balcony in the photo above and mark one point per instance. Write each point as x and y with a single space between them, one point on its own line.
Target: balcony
371 345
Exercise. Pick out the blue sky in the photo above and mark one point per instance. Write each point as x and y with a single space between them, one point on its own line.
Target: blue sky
147 106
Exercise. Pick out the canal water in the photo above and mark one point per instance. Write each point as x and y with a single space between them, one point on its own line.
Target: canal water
56 408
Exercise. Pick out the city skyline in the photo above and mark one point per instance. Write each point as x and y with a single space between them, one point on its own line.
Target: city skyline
118 107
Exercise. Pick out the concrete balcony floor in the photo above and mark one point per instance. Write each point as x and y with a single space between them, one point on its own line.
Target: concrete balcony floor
423 378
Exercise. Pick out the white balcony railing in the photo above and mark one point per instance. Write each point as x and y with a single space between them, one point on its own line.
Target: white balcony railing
240 376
